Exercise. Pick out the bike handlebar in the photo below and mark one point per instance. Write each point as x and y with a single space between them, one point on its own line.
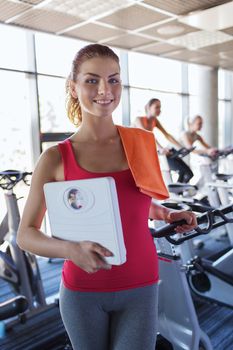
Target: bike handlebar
9 178
219 153
180 153
207 218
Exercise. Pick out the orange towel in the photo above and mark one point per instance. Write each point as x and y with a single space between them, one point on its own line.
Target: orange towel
141 153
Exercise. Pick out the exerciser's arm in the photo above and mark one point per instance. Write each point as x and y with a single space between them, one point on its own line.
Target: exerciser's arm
211 151
206 150
159 212
168 136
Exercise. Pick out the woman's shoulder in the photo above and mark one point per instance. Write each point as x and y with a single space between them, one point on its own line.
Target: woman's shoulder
50 158
51 153
49 164
185 133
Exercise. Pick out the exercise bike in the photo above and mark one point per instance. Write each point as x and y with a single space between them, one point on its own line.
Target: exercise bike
37 323
209 166
223 187
178 322
210 278
176 155
17 267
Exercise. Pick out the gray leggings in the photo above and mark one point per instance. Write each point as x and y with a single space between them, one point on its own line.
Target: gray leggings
120 320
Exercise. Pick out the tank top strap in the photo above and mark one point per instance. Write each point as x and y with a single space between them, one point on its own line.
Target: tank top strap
68 158
154 123
144 122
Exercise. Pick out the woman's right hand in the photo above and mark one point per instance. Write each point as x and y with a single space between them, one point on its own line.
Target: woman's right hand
89 256
212 151
165 151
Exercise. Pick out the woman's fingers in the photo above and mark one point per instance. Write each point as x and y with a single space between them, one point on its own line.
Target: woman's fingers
90 256
100 253
99 249
189 217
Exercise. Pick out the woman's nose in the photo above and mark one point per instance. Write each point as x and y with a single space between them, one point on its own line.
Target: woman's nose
103 88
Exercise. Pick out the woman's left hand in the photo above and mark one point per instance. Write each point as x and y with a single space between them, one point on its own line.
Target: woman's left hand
178 215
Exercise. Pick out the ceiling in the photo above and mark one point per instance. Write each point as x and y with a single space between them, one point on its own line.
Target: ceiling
196 31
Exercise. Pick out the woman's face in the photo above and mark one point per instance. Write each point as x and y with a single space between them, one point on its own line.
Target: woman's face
155 109
98 86
197 124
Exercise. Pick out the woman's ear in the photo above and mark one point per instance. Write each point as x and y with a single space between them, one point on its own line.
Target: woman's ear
72 87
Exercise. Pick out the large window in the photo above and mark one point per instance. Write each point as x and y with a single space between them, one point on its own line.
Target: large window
171 111
154 72
225 123
14 53
155 77
225 80
53 116
225 89
15 137
54 54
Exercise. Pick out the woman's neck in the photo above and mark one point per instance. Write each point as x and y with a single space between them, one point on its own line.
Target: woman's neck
149 116
193 131
97 130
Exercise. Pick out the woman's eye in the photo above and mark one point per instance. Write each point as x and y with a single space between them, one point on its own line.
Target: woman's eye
91 81
113 81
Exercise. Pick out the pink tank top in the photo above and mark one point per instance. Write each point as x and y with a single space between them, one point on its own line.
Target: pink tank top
141 267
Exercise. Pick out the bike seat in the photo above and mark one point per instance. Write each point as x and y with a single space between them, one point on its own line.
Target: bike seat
180 187
223 177
12 173
180 153
9 178
13 307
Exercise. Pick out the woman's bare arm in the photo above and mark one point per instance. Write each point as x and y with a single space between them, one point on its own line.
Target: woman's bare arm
168 136
203 143
211 151
206 150
30 237
87 255
159 212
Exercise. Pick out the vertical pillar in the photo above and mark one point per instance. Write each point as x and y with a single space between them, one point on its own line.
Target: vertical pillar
33 96
185 93
229 127
207 103
125 90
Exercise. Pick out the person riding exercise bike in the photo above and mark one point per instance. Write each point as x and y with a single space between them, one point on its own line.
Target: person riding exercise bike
149 122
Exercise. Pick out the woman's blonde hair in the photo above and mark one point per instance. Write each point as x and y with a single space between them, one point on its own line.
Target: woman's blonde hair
87 52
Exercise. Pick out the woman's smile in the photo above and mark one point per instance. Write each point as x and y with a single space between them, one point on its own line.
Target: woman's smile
103 102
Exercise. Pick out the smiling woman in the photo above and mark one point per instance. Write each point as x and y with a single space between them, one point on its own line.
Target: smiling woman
102 306
99 94
93 82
